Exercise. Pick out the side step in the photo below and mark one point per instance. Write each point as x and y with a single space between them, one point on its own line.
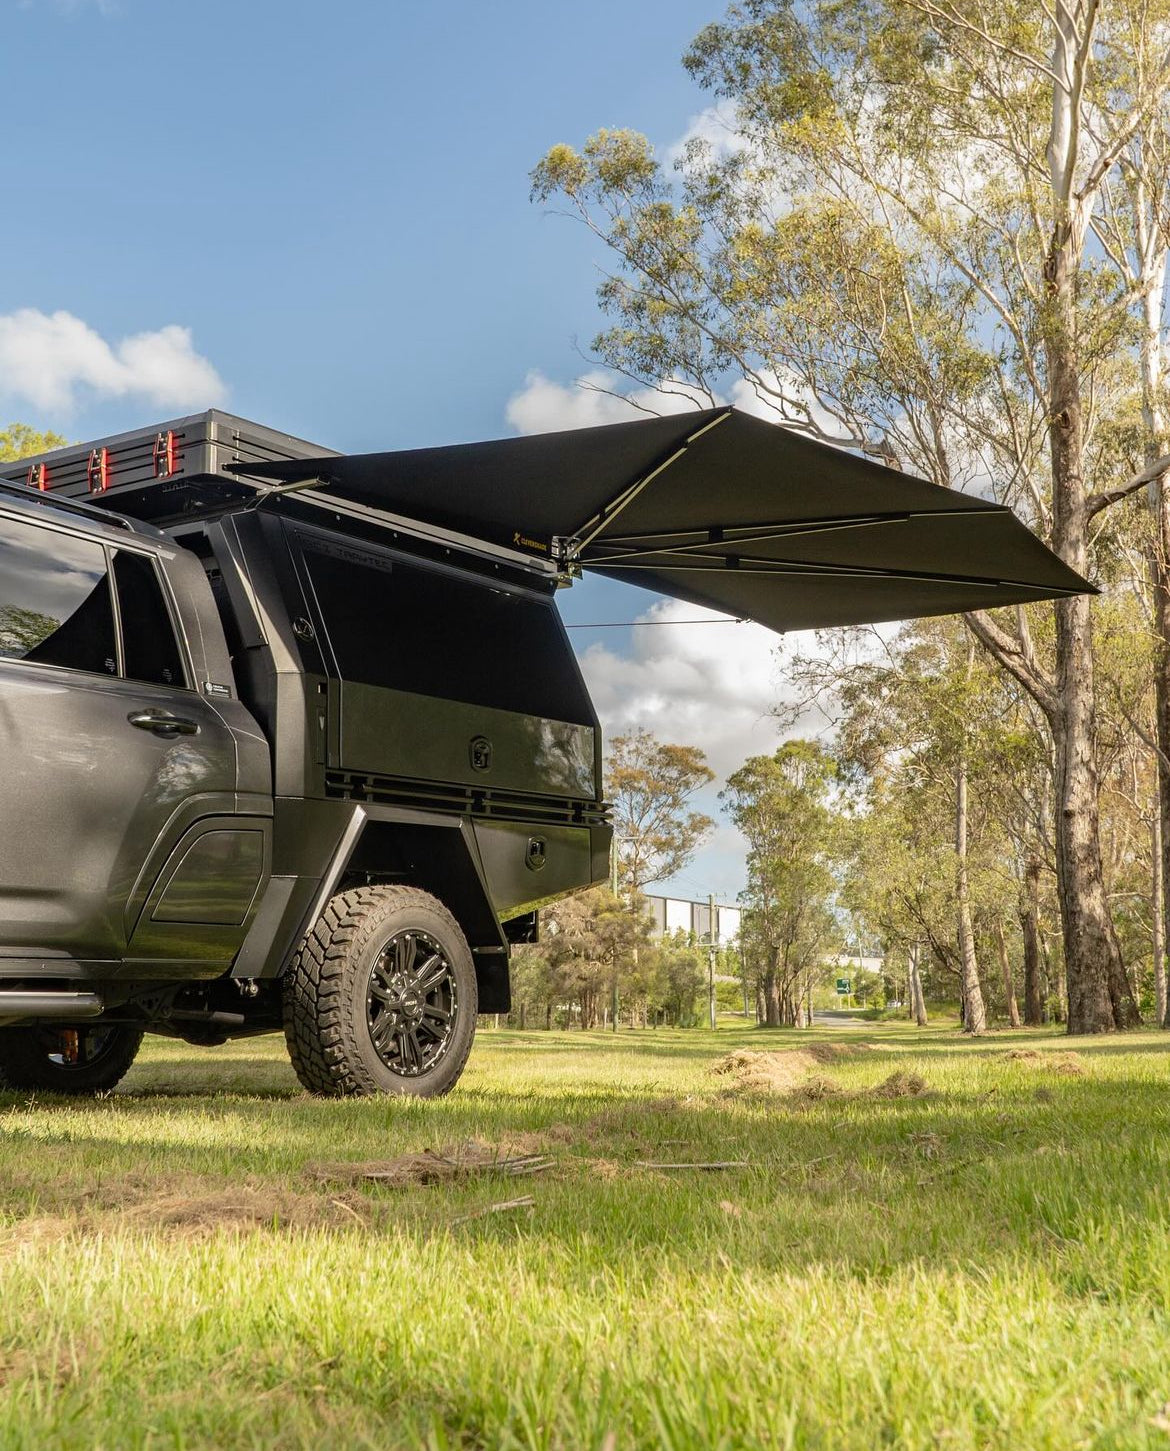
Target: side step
18 1003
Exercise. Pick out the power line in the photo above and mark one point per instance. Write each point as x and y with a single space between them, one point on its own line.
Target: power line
626 624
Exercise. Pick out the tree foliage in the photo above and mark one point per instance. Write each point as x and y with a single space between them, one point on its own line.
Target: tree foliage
781 805
650 785
19 441
932 233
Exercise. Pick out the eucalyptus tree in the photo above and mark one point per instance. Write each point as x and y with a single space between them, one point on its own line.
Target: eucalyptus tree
651 785
19 440
892 249
782 805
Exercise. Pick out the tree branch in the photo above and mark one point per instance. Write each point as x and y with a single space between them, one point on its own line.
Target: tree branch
1013 656
1152 474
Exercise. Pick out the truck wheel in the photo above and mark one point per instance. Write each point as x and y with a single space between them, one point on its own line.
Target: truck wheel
381 997
82 1060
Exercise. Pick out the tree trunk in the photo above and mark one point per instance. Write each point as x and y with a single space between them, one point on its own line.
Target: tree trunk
1159 500
1030 924
974 1012
1099 996
1005 967
523 1015
1158 893
771 995
917 1000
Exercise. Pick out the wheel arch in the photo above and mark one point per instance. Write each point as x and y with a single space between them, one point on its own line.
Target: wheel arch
440 856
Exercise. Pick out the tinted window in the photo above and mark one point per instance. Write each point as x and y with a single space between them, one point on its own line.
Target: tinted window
55 600
148 636
434 633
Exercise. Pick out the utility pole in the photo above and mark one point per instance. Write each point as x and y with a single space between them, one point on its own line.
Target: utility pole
711 959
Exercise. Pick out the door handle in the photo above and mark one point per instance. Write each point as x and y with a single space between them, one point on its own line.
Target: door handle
163 725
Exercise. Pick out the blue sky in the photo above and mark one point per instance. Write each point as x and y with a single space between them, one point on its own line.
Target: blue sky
317 216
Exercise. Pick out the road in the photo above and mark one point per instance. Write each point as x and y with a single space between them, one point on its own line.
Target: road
831 1019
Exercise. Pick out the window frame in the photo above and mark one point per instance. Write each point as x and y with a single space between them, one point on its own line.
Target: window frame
109 549
164 586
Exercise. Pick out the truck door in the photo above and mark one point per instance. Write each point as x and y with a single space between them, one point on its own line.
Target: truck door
109 759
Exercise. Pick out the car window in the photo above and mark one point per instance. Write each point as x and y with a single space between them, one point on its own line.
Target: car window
55 606
148 636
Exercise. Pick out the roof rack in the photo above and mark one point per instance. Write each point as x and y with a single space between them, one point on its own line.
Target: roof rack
163 473
187 471
66 506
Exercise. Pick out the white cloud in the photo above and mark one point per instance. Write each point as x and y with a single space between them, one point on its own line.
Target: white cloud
52 360
599 397
711 685
716 129
596 397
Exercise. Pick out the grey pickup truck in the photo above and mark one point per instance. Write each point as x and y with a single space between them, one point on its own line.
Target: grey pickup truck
270 761
292 739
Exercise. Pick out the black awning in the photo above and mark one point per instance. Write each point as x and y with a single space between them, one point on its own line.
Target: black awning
719 508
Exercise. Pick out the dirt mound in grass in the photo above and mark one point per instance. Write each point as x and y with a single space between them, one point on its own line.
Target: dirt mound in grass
788 1070
245 1208
900 1085
816 1089
766 1072
440 1166
1068 1065
792 1072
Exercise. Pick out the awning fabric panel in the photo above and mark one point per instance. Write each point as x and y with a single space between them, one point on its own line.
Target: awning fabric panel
721 509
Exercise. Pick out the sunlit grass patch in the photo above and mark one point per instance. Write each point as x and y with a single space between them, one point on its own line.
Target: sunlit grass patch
947 1246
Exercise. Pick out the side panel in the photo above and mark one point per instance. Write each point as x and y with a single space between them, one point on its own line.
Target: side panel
87 801
113 755
399 733
527 867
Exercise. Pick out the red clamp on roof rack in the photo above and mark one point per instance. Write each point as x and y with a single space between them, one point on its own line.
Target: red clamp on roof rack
97 471
166 454
38 477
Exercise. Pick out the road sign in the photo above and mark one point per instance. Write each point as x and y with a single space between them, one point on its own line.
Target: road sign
843 985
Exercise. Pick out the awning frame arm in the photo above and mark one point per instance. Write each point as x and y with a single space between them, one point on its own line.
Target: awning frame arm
797 568
637 546
568 548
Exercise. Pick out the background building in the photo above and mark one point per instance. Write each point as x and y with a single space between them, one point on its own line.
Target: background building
674 914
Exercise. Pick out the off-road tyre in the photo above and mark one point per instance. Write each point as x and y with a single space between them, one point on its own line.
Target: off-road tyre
340 996
35 1058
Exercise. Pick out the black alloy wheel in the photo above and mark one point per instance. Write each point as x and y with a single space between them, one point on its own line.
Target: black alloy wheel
412 1005
382 996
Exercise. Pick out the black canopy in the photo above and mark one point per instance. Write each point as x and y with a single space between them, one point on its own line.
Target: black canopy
719 508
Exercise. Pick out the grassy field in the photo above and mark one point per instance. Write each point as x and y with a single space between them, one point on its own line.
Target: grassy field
932 1243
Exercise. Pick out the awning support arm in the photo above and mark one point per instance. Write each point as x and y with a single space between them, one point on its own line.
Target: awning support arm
637 545
589 531
735 565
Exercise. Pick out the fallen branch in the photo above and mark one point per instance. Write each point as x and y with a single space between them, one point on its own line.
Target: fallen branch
529 1164
526 1201
718 1164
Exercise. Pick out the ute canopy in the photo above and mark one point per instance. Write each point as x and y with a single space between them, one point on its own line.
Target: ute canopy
718 508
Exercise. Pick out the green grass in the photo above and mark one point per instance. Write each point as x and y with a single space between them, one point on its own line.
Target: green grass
987 1265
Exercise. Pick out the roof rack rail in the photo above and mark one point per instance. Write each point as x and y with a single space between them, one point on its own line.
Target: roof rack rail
67 506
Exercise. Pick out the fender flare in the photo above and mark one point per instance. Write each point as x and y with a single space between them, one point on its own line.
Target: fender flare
431 850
